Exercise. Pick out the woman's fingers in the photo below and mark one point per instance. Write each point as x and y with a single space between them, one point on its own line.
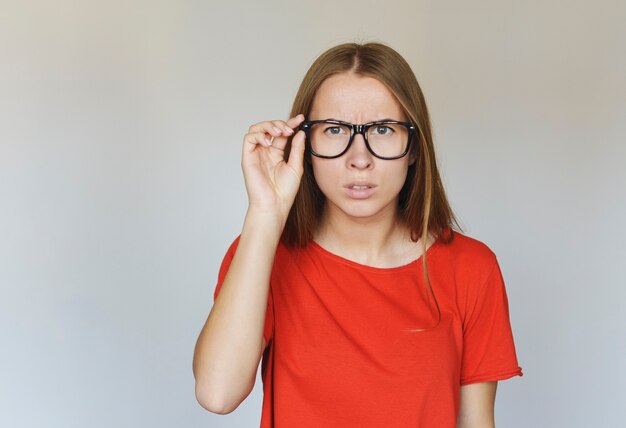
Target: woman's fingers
269 179
278 127
290 125
258 138
294 122
274 128
251 140
274 133
296 155
266 134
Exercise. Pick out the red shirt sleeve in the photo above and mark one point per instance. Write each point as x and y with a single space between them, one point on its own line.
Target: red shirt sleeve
269 314
488 346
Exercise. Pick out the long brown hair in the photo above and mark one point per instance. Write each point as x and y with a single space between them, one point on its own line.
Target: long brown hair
422 204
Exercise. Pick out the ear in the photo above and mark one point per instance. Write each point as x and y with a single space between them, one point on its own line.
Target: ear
412 157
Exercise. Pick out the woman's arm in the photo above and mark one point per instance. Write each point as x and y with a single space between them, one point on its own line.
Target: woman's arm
231 343
477 405
230 346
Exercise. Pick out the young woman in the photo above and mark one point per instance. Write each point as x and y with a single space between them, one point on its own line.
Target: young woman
348 280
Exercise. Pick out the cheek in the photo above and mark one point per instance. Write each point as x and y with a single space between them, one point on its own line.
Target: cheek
324 174
397 174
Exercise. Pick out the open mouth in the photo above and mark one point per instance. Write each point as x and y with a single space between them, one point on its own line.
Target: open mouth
360 191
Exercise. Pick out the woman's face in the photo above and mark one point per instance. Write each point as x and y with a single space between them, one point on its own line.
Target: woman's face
357 99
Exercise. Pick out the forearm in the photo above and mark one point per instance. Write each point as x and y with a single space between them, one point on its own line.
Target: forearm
228 350
477 403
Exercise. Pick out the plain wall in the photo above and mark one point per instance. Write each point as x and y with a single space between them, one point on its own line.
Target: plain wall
120 187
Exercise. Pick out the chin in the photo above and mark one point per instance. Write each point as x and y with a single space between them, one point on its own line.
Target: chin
364 209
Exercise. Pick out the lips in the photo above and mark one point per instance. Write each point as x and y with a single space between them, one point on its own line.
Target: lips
359 190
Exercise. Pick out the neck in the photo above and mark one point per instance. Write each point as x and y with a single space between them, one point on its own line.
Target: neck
370 241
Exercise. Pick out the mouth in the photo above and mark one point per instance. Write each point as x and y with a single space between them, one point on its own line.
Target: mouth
359 190
359 186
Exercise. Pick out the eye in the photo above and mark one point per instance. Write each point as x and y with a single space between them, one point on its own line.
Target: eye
383 130
333 130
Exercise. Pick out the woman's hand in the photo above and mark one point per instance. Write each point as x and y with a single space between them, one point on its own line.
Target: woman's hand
272 183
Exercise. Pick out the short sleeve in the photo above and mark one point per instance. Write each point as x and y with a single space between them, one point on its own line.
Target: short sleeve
488 346
269 314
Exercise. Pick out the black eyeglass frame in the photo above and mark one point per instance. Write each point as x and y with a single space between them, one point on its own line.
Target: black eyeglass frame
357 129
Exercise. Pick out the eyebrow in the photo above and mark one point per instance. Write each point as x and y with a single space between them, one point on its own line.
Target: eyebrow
378 120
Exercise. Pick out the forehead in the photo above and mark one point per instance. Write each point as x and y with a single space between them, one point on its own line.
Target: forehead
353 98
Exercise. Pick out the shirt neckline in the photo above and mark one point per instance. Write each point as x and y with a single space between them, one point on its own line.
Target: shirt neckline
317 247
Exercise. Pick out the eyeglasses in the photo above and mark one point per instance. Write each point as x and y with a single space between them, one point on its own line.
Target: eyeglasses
386 139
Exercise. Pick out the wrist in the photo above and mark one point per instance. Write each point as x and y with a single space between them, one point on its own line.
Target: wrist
270 223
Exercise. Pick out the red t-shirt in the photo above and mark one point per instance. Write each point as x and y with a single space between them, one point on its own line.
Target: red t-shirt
339 351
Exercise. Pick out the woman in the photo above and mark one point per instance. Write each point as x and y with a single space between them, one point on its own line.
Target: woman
348 280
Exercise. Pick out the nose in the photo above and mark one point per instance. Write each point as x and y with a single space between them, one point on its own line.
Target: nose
358 156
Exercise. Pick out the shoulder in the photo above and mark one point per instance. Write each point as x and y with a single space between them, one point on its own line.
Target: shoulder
468 254
466 246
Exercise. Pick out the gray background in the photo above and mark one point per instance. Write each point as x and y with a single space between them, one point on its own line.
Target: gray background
120 187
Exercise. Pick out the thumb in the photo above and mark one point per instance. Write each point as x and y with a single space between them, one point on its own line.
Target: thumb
296 155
